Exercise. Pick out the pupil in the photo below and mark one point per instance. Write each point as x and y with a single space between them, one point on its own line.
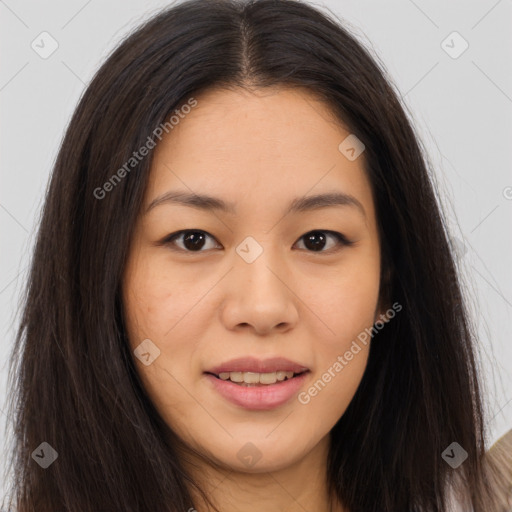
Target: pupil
190 238
314 245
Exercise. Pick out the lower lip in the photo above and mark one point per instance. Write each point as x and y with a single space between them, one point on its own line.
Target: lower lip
258 398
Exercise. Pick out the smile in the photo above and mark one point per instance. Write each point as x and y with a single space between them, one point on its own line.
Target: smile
257 379
257 396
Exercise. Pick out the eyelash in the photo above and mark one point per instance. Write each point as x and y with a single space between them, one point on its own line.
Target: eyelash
169 240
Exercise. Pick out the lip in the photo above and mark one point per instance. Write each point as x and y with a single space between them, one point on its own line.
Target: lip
258 398
252 364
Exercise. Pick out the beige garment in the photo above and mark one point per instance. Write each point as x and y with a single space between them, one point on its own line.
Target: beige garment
500 456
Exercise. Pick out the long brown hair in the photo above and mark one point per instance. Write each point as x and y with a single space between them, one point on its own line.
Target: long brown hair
72 374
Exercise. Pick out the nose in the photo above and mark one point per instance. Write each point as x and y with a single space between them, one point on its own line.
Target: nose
259 296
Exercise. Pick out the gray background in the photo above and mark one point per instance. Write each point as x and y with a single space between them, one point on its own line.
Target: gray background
461 107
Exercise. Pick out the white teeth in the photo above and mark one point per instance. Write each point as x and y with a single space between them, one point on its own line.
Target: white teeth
268 378
256 378
251 378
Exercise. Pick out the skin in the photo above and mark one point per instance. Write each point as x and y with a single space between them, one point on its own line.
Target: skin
259 149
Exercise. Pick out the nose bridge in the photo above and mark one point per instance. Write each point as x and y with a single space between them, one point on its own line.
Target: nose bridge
258 294
257 264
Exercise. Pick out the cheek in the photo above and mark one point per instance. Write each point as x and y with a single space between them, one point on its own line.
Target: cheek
162 305
347 309
157 299
156 306
345 301
341 354
326 398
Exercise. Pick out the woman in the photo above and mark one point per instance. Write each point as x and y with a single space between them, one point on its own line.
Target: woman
316 352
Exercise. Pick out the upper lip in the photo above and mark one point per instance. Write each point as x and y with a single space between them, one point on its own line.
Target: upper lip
253 364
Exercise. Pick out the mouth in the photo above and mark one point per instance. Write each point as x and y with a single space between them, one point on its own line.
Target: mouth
255 379
256 384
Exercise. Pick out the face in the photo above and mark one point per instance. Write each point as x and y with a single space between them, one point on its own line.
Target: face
256 290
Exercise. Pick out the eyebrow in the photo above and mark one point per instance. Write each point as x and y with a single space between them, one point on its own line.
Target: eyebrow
297 205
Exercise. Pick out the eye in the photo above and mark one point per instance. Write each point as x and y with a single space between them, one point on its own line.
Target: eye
317 240
193 240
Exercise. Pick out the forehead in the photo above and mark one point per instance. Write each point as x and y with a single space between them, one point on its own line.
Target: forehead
229 121
271 144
